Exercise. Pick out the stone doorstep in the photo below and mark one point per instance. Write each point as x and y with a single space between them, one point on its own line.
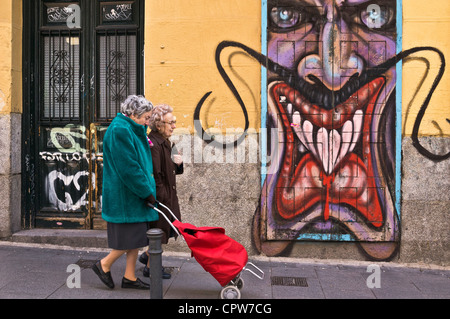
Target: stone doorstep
63 237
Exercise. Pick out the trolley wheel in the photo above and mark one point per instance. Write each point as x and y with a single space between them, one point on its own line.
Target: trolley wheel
230 292
240 283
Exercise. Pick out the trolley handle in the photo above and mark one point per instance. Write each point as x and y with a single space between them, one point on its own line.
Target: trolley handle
167 219
171 213
261 273
164 215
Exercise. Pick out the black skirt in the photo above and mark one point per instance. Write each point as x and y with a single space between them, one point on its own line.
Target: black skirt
127 236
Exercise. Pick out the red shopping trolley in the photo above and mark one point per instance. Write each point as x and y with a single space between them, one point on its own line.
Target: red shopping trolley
223 257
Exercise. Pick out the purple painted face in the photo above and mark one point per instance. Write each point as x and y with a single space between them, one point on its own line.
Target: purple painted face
331 40
334 172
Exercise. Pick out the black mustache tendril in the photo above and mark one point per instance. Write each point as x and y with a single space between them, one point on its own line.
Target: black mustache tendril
318 93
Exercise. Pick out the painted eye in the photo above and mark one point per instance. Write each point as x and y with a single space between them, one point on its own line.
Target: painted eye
284 17
375 17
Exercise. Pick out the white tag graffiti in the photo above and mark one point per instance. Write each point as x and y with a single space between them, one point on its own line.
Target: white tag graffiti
68 203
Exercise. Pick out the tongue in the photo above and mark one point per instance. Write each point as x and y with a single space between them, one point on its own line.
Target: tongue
353 181
351 186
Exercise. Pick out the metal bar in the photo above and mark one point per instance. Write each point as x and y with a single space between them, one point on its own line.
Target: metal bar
173 215
50 64
91 135
72 77
170 223
127 84
107 66
61 69
117 39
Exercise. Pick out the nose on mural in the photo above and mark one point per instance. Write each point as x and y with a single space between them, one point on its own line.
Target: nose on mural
334 60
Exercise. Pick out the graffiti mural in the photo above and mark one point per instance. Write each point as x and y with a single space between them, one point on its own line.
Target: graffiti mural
332 172
335 175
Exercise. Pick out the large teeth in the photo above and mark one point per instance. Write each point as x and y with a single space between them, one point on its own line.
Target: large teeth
289 108
347 133
329 147
322 147
357 125
297 122
334 146
308 133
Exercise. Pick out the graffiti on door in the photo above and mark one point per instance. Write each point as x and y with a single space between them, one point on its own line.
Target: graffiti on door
65 185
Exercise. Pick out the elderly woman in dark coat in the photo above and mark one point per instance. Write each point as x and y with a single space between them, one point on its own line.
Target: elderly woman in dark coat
167 163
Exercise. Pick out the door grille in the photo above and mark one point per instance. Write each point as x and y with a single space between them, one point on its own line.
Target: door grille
61 74
118 77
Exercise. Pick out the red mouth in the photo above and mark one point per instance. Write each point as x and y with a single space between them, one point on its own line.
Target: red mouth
328 172
336 117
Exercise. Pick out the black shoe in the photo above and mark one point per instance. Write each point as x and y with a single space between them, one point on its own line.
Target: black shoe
146 273
143 258
104 277
138 284
166 275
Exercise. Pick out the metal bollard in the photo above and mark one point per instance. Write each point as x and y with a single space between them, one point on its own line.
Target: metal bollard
154 236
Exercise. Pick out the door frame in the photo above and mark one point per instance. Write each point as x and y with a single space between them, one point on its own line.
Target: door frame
31 181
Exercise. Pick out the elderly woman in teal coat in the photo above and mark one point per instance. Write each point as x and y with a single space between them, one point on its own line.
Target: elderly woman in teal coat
128 184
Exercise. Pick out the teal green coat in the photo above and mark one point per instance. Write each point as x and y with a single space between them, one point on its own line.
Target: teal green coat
127 173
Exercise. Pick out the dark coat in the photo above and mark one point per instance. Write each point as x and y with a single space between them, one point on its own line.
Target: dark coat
165 171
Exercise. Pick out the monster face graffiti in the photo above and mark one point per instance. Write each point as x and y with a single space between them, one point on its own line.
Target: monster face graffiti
331 168
333 175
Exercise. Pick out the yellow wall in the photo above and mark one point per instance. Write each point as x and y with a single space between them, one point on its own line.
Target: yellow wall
11 57
181 37
180 41
5 61
426 23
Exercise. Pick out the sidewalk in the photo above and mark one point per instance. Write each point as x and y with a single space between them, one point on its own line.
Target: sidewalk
38 271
